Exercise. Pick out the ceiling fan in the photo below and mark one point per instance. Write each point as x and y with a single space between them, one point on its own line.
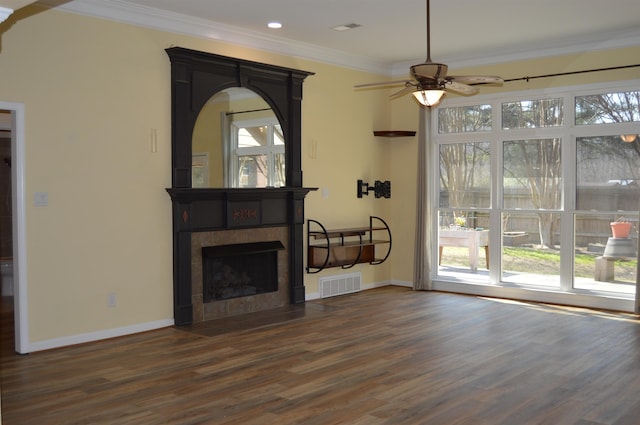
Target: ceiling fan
430 81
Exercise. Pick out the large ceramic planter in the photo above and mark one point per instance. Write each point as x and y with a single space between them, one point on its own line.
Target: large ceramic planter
621 229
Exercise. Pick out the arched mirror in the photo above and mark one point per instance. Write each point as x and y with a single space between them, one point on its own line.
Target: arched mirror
237 142
203 81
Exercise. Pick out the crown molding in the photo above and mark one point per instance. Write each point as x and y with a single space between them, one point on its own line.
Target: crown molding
568 46
152 18
5 12
120 11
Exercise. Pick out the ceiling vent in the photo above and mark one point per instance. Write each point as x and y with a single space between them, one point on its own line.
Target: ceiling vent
346 27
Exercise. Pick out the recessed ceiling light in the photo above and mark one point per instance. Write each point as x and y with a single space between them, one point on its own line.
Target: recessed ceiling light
274 25
346 27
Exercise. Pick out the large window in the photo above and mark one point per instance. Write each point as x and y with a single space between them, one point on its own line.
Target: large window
535 189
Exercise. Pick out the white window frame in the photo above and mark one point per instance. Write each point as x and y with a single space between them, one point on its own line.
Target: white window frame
568 133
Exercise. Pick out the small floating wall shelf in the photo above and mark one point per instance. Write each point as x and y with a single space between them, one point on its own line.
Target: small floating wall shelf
346 247
394 133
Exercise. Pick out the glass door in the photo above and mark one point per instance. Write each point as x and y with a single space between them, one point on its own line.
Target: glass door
607 189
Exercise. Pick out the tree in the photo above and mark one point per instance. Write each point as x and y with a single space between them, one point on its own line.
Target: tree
610 108
464 166
536 166
461 166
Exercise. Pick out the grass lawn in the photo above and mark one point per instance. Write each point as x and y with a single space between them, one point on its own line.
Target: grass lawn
541 261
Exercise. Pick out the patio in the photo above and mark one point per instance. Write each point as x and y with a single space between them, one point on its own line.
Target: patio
518 264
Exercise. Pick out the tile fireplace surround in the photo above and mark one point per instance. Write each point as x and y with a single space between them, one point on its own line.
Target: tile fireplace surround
240 305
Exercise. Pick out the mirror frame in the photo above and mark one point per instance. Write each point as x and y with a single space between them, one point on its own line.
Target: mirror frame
197 76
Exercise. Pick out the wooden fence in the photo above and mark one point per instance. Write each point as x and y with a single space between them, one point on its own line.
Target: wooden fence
598 206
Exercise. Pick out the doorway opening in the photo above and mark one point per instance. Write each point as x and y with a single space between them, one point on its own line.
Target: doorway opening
14 295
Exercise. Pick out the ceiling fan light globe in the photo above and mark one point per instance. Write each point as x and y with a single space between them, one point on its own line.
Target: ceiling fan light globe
428 97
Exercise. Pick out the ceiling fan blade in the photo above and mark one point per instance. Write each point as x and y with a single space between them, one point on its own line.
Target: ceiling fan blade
476 79
431 75
409 89
461 88
382 84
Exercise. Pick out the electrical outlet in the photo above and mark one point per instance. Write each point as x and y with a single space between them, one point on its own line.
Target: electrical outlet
111 300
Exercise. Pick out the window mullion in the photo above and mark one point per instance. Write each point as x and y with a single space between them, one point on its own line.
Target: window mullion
567 228
495 216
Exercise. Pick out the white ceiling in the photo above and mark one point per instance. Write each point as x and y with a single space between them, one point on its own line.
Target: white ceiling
15 4
393 33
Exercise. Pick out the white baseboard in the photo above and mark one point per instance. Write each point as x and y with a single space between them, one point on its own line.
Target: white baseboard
376 285
158 324
312 296
99 335
401 283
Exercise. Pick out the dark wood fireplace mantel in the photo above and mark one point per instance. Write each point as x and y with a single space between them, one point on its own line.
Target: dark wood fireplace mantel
195 77
201 210
198 210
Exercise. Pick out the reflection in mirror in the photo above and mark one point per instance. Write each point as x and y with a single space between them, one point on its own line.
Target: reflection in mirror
237 142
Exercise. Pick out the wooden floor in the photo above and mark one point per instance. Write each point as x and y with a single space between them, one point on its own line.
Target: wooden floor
383 356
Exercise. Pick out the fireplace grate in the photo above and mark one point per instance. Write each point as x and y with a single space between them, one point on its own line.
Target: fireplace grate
332 286
239 270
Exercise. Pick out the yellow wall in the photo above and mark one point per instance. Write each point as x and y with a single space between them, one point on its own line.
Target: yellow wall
339 149
93 91
207 138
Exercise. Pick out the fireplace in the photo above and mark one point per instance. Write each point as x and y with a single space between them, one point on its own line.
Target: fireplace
226 244
212 217
223 215
239 270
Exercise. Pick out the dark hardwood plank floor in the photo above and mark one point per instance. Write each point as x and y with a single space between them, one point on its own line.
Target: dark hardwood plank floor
383 356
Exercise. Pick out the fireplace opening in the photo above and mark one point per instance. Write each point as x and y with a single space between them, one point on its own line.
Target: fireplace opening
239 270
